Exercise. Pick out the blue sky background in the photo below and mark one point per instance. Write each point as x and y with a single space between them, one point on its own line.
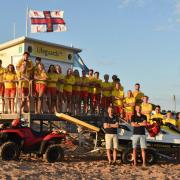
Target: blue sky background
139 40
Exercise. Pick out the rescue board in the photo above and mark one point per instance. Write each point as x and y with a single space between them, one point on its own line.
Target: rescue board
77 121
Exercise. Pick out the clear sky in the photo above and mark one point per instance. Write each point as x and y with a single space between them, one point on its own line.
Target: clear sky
139 40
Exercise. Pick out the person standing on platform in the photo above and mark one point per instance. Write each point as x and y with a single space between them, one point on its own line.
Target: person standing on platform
23 88
129 104
106 88
138 123
110 126
69 81
10 83
84 92
2 71
138 94
146 108
52 88
40 77
29 64
117 99
60 85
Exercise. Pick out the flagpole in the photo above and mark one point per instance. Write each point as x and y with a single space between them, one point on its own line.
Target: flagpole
27 18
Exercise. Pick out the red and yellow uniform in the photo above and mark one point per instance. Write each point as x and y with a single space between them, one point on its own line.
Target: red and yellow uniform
76 88
10 85
52 83
84 86
2 71
170 120
60 85
69 81
106 88
40 83
129 103
23 85
138 96
118 96
96 91
146 109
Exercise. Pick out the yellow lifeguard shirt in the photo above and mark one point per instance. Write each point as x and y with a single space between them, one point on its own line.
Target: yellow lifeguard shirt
130 100
106 93
10 77
41 75
97 87
170 120
23 83
30 65
60 85
85 84
138 95
91 80
119 94
52 80
2 71
146 109
69 82
77 87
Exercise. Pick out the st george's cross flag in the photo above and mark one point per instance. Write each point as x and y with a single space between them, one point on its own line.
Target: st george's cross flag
47 21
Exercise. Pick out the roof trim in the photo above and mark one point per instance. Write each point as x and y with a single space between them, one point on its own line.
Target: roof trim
23 39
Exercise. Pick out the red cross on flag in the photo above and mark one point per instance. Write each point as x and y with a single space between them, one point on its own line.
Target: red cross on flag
47 21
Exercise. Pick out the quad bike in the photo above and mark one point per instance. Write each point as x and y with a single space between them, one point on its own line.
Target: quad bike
16 139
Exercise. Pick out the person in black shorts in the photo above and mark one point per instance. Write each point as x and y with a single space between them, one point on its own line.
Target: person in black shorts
138 122
110 126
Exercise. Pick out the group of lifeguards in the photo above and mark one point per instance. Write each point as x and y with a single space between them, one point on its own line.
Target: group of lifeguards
72 90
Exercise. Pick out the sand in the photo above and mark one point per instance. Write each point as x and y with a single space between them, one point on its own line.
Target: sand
84 168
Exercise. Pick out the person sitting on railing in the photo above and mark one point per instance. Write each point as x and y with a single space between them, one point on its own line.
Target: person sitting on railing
23 88
29 63
69 81
52 88
10 81
60 85
40 77
2 71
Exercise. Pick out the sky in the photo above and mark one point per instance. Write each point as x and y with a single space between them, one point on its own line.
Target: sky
139 40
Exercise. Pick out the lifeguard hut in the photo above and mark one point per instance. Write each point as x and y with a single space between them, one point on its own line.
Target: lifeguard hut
11 52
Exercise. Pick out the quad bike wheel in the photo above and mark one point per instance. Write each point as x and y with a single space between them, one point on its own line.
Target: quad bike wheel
9 151
127 156
151 156
54 153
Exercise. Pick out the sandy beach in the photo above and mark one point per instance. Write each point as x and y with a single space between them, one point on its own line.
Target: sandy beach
84 168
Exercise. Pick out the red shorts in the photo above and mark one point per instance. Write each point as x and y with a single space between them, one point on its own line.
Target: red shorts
128 115
52 90
23 91
84 94
105 102
10 92
40 88
2 89
76 93
118 110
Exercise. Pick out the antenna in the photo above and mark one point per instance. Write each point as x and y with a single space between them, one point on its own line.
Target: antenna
27 18
14 30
